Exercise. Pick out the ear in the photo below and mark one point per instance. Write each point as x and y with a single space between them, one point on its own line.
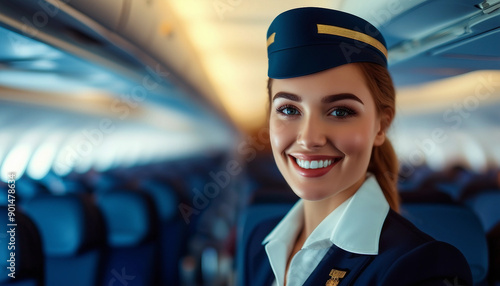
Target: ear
384 122
379 138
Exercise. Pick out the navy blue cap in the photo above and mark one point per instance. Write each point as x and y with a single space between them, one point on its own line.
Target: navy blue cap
308 40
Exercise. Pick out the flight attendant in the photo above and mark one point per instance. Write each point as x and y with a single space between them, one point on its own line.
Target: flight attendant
332 101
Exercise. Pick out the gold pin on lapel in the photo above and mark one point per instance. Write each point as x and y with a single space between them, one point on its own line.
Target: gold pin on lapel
336 276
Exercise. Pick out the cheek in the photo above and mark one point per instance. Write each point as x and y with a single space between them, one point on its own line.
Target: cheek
353 144
281 134
355 140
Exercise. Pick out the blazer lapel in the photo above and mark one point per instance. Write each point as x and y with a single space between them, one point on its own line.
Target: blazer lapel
265 277
263 273
338 259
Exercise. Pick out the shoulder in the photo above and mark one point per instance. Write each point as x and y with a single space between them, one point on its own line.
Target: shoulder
400 233
432 263
413 257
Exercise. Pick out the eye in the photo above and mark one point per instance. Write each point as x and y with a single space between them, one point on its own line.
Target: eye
342 112
288 110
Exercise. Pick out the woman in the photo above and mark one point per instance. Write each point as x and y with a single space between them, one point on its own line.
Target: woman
331 103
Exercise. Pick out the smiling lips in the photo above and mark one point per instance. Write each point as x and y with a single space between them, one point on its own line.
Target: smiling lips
313 166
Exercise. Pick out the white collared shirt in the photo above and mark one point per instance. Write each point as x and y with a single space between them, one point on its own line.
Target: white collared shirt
354 226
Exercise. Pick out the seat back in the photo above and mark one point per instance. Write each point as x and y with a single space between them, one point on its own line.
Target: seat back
173 230
456 225
485 205
494 245
132 227
27 189
27 261
72 247
249 220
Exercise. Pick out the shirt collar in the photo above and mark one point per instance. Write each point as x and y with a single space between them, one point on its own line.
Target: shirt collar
354 226
358 230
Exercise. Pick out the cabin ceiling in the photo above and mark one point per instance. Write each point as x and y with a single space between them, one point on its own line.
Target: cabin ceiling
427 40
230 38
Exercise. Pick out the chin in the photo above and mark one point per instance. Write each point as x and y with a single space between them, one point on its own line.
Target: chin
312 195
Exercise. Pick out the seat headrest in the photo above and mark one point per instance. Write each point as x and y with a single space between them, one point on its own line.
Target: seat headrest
27 189
28 248
130 217
456 225
165 199
61 221
486 206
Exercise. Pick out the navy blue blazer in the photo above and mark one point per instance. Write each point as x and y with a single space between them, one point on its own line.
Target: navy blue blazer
407 256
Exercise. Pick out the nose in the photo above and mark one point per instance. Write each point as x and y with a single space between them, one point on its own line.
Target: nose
312 134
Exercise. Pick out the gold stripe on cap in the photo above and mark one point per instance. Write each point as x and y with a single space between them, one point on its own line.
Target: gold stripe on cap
270 40
355 35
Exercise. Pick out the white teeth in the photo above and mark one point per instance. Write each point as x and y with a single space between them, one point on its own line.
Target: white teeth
313 164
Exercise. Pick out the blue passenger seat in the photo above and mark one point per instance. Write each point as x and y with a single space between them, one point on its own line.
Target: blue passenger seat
494 245
27 189
410 177
72 242
28 259
173 230
132 231
456 225
487 206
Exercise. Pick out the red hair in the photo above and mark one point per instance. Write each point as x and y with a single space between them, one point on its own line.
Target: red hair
383 162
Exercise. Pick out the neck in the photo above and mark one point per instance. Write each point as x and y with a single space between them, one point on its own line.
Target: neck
316 211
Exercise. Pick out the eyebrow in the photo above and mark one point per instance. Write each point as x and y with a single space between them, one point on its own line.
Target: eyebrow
326 99
285 95
340 96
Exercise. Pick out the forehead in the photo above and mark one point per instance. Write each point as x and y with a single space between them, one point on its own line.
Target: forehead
343 79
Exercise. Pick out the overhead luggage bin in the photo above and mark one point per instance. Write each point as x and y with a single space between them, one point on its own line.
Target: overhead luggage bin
138 21
108 13
432 40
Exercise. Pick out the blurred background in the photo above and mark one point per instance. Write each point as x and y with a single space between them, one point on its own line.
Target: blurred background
137 130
